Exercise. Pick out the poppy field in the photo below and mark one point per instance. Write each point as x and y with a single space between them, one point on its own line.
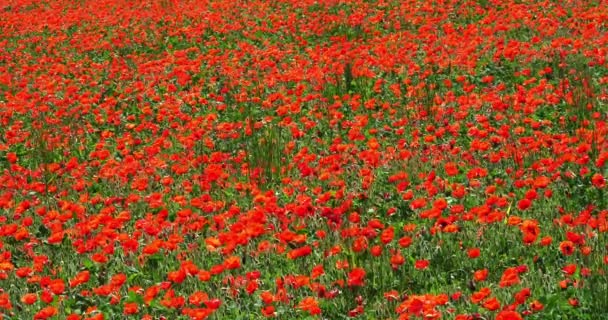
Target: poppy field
326 159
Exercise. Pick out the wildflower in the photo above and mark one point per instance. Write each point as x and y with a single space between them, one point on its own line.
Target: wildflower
480 275
232 262
421 264
130 308
491 304
356 277
509 277
509 315
299 252
598 181
473 253
566 247
569 269
45 313
310 305
29 298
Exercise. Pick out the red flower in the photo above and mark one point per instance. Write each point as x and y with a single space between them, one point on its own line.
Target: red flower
509 315
566 247
46 313
118 280
176 276
310 305
509 277
57 286
478 296
421 264
522 295
524 204
396 260
317 271
376 251
569 269
451 169
268 311
29 298
480 275
11 157
473 253
387 235
299 252
232 262
491 304
356 277
598 181
213 303
130 308
536 305
405 241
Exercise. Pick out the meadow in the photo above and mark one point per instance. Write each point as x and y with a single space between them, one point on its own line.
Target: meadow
300 159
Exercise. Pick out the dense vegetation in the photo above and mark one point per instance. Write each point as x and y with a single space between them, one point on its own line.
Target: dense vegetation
303 159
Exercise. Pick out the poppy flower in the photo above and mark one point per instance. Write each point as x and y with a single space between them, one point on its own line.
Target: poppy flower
57 286
396 260
130 308
569 269
480 295
492 304
268 311
421 264
545 241
509 277
473 253
46 312
29 298
356 277
376 251
522 295
524 204
536 306
509 315
480 275
232 262
566 247
598 181
299 252
310 305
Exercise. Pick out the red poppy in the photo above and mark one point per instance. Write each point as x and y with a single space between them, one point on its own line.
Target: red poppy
509 315
232 262
598 181
356 277
492 304
299 252
509 277
480 275
29 298
566 247
569 269
480 295
522 295
310 305
421 264
268 311
396 260
376 251
46 312
130 308
524 204
473 253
